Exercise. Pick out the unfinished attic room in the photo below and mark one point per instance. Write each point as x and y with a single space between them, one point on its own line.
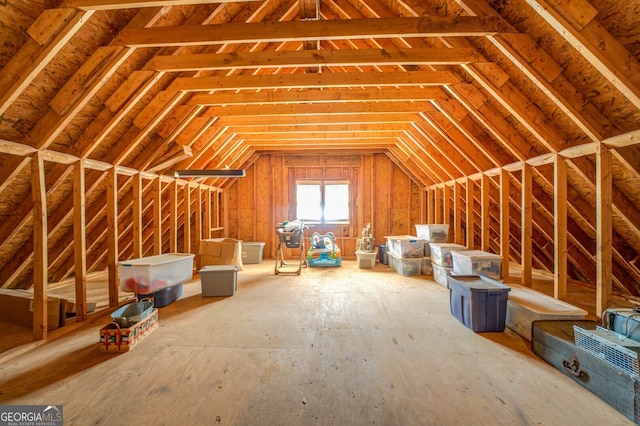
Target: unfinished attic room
320 212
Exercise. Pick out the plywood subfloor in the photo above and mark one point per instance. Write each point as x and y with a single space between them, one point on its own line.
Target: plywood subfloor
333 346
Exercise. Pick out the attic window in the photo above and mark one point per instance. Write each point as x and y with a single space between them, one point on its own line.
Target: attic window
322 201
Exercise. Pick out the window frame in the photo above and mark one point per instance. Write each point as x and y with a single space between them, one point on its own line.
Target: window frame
323 183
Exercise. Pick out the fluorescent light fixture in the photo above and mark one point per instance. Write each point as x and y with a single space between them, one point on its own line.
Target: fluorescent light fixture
215 173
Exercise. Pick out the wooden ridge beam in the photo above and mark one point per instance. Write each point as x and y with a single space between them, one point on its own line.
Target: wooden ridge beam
300 31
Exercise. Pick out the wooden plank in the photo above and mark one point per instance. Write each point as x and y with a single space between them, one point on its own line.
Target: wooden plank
526 225
198 225
470 219
438 202
599 47
604 229
485 216
80 241
327 94
209 220
446 207
112 237
560 229
157 216
32 58
301 81
15 148
134 4
137 215
571 109
625 139
307 58
337 29
93 72
457 213
173 216
40 251
504 222
186 219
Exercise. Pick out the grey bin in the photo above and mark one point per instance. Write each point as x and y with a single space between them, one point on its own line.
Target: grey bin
252 252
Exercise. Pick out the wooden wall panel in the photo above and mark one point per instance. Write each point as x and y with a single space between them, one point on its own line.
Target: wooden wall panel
381 194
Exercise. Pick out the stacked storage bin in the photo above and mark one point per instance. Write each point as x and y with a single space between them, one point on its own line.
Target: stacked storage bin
405 254
431 233
442 261
478 263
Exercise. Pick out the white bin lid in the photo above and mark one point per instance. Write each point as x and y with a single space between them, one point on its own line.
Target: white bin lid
409 238
157 259
218 268
541 303
475 254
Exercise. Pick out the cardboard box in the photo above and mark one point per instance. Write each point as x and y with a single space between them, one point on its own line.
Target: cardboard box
16 307
220 251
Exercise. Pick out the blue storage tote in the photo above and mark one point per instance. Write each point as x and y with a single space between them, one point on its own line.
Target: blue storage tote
478 303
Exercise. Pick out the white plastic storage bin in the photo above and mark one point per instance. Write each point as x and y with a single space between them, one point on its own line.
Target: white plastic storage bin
434 233
219 280
440 274
405 246
441 253
406 266
366 259
252 252
477 262
150 274
526 305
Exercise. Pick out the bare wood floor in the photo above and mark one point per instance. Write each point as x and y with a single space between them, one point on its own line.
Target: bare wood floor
333 346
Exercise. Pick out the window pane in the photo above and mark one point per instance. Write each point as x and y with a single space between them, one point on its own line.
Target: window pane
336 198
308 202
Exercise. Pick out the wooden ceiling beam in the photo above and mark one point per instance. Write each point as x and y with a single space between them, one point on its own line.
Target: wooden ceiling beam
301 110
308 58
331 119
134 4
283 31
329 94
305 137
304 81
326 128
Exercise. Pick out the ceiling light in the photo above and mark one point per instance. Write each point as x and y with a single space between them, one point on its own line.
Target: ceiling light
210 173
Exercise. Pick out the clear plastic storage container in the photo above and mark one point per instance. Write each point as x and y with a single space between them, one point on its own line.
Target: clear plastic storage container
477 262
405 246
441 253
406 266
433 233
149 274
